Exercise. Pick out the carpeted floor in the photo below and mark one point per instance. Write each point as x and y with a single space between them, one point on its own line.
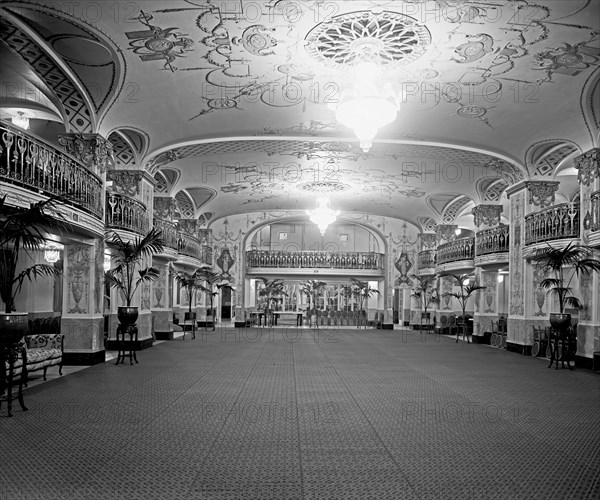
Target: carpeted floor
287 414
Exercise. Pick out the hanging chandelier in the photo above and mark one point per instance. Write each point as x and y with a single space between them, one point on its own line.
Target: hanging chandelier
52 252
20 120
323 215
369 103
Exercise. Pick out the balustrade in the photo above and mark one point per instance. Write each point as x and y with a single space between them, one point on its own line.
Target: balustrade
314 259
595 211
553 223
493 240
453 251
168 231
126 213
426 259
32 163
190 245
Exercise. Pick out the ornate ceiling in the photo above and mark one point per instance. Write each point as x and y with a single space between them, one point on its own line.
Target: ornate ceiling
228 103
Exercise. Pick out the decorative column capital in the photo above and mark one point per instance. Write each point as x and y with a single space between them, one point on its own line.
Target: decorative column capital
488 215
189 226
126 181
164 207
541 193
588 166
428 241
93 150
446 232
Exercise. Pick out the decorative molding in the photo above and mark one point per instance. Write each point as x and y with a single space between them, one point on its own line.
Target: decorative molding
541 193
588 166
126 181
95 152
164 207
488 215
446 232
189 226
429 240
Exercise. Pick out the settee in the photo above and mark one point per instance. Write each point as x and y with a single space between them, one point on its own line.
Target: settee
42 345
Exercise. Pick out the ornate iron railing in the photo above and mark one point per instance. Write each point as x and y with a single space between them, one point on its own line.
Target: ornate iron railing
189 245
595 211
168 231
553 223
426 259
493 240
453 251
314 259
31 162
126 213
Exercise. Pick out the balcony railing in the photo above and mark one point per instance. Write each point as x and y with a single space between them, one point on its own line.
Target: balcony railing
553 223
126 214
493 240
426 259
30 162
316 259
595 212
453 251
168 231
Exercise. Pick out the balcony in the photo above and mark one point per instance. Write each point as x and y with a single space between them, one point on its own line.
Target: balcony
558 222
457 254
31 163
190 247
492 245
426 262
126 214
328 262
169 236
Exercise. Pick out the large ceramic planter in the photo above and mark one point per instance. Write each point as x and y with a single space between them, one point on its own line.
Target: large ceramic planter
560 322
12 327
127 315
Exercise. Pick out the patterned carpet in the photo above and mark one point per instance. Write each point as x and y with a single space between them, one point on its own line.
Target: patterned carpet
289 414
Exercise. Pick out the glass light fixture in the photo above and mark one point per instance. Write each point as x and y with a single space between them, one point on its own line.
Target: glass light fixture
20 120
370 103
52 253
323 215
457 231
107 262
500 278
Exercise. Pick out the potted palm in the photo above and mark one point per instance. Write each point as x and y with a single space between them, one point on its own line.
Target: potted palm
563 265
207 281
271 290
312 289
127 255
425 294
466 289
363 291
22 231
190 283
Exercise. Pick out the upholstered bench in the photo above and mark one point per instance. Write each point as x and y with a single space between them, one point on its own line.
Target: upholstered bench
43 351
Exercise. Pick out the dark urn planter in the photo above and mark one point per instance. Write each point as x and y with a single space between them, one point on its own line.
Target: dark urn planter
190 316
12 327
560 322
127 315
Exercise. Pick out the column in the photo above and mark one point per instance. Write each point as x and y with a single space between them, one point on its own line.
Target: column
528 304
82 321
487 221
588 328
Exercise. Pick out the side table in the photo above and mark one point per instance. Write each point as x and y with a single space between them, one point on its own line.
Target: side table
123 353
9 355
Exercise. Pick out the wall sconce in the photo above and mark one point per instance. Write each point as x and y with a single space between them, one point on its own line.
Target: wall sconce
107 262
500 278
52 252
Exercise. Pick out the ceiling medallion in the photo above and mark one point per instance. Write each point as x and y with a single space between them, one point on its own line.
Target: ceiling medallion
324 186
338 42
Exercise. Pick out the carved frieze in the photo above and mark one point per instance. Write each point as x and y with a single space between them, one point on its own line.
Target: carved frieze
93 150
588 166
446 232
488 215
428 240
541 193
126 181
164 207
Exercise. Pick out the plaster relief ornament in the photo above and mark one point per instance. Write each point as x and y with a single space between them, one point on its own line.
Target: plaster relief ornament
488 215
588 166
541 193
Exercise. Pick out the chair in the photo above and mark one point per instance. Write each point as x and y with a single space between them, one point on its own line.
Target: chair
452 324
443 324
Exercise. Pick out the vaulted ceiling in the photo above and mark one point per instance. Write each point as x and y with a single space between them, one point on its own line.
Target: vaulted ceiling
228 104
